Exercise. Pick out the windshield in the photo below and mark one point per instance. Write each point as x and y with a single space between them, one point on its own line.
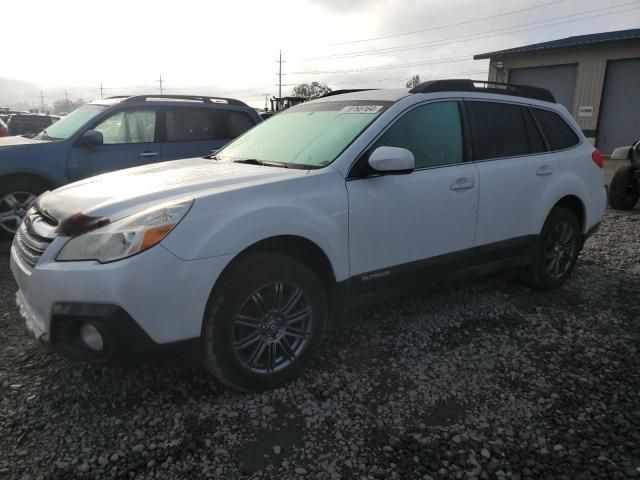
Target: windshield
308 136
67 126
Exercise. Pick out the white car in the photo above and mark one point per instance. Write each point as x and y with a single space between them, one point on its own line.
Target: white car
251 253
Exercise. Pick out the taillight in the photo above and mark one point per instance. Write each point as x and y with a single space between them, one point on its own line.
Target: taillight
598 159
3 131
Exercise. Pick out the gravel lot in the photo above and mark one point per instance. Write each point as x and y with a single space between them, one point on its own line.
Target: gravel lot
481 380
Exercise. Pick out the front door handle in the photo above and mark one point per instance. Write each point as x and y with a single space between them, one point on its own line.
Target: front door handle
544 170
462 184
149 154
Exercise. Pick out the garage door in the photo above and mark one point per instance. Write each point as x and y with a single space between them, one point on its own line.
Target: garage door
559 79
619 122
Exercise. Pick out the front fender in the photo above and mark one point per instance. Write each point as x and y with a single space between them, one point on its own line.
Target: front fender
313 207
44 160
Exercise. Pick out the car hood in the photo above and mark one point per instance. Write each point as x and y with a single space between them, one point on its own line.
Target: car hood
17 140
118 194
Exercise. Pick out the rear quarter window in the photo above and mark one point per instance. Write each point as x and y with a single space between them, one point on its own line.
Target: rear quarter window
558 133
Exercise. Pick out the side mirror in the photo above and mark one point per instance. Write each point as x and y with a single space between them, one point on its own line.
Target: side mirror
392 160
91 138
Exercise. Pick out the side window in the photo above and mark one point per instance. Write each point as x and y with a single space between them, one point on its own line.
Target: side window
137 126
499 130
230 124
432 132
239 123
536 143
188 124
555 128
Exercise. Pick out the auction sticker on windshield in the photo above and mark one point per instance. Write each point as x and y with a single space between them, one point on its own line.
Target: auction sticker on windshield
361 109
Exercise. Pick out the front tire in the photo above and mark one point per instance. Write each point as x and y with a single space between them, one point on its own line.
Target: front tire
556 251
620 197
264 323
16 197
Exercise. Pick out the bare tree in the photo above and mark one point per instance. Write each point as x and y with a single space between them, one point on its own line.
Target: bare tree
310 90
414 81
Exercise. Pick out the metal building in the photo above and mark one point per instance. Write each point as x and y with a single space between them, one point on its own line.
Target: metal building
597 77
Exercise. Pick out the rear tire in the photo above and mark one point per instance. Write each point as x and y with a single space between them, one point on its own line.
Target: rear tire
263 323
556 251
620 197
16 196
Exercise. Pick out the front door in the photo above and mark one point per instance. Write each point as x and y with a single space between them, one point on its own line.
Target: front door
130 140
419 225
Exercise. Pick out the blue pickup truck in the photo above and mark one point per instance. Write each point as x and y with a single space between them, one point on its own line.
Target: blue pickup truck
111 134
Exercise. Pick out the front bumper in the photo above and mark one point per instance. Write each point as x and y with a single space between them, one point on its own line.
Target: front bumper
152 298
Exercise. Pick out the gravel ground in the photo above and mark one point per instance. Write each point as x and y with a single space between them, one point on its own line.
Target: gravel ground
481 380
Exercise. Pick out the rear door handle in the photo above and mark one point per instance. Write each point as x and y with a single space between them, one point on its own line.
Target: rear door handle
544 170
462 184
149 154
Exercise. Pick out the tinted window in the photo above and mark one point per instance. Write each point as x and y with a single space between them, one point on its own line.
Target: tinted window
432 132
558 133
210 124
499 130
137 126
239 123
191 124
536 143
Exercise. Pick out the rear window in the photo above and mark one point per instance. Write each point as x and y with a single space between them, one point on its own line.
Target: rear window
559 134
499 130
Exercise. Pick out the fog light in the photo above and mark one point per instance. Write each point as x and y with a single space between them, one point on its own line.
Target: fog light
91 337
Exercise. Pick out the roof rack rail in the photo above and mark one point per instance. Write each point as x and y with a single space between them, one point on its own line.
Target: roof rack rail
201 98
468 85
350 90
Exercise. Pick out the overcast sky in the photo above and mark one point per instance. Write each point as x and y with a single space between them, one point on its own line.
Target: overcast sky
229 47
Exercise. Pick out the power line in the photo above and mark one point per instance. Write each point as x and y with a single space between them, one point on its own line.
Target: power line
458 38
441 27
464 58
454 59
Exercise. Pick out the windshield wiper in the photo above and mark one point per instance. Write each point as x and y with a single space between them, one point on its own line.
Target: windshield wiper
255 161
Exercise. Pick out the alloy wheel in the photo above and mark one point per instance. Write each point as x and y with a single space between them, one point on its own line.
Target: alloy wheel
272 327
13 208
560 250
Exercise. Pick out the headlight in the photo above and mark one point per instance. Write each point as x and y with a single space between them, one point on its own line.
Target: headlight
127 236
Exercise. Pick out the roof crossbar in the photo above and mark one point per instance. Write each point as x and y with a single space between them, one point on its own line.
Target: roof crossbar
468 85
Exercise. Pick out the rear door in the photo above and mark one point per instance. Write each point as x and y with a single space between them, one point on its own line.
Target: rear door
510 154
196 132
130 140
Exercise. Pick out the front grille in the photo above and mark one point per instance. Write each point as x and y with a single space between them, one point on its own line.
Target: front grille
33 237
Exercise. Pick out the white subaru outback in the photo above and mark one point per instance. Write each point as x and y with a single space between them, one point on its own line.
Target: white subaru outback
249 253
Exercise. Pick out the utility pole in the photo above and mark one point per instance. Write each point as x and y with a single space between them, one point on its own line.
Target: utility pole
42 101
280 61
266 99
66 97
101 92
161 89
